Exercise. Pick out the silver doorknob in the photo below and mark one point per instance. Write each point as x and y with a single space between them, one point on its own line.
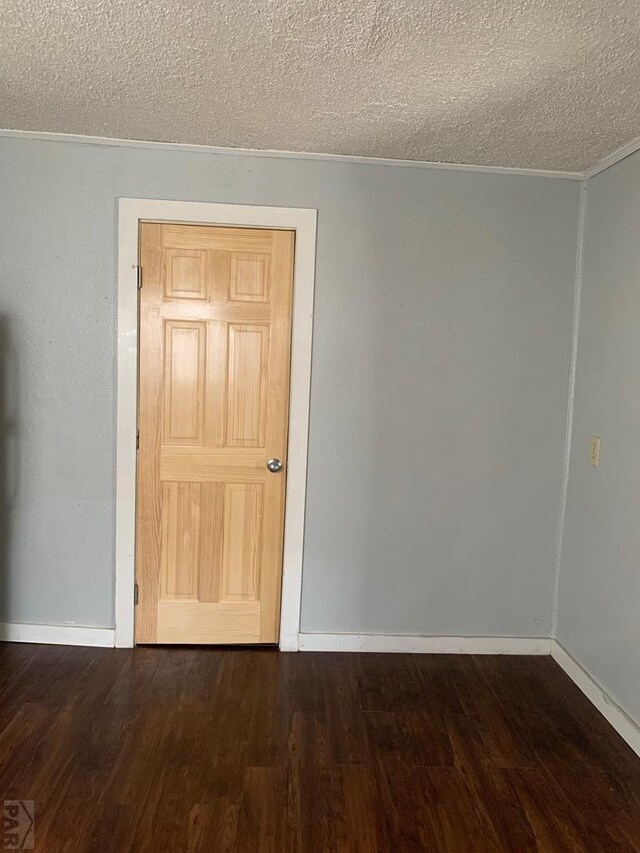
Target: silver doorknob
274 465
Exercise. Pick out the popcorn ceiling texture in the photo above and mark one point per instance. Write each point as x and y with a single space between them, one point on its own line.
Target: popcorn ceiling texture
551 84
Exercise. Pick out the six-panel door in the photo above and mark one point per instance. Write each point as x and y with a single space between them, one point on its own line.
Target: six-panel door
215 331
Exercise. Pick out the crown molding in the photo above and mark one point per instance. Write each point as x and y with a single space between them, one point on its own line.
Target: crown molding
287 155
605 163
613 158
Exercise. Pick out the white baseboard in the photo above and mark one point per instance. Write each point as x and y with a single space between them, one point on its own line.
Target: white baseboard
289 643
313 642
613 713
57 635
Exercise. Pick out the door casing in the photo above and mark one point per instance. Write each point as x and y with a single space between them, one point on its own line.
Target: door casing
303 222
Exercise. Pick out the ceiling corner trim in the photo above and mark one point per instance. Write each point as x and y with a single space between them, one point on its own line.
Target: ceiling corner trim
611 159
44 136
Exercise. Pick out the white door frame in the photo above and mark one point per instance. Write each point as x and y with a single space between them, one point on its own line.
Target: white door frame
303 222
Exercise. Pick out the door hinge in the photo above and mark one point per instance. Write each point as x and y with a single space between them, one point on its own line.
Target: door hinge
139 277
135 593
137 439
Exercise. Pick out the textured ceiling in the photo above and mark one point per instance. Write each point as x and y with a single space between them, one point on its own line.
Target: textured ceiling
551 84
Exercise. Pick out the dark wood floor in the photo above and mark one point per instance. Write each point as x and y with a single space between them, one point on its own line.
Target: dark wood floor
251 750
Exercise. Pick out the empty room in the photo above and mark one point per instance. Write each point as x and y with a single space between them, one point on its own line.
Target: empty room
319 426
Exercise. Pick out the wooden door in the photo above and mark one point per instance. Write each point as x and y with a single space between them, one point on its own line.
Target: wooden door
215 331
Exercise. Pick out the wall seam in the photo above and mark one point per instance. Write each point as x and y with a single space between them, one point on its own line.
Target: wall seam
571 392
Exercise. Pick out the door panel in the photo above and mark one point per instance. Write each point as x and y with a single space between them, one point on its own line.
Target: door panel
184 382
248 349
215 330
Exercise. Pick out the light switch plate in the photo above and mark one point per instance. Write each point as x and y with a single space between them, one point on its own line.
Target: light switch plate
594 451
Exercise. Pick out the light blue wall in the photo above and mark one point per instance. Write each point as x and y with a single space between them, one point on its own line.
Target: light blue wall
442 338
599 603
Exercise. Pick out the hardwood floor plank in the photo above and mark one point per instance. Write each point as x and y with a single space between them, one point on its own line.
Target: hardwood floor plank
554 828
388 682
347 732
309 740
439 688
458 819
414 737
364 825
261 816
21 748
271 711
492 791
131 685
